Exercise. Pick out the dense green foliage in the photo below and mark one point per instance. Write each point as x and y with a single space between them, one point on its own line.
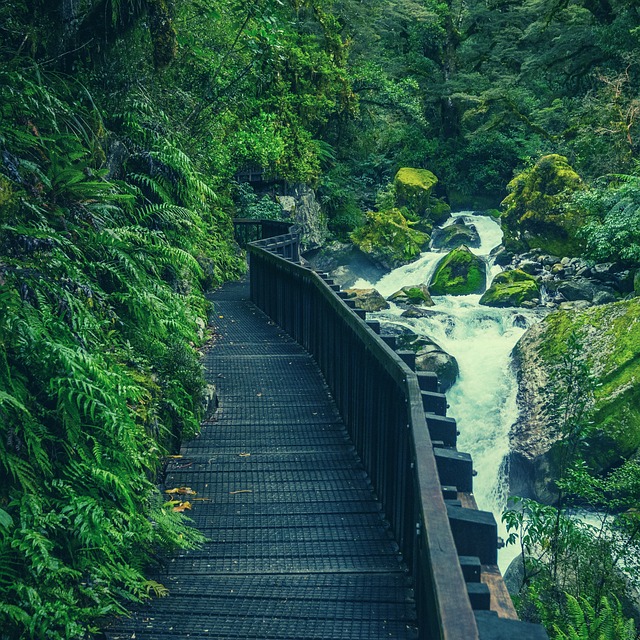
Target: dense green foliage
121 126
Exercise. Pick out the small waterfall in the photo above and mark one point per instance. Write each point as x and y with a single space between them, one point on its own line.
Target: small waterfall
483 400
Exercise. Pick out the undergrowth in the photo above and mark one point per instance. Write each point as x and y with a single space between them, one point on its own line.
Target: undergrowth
105 244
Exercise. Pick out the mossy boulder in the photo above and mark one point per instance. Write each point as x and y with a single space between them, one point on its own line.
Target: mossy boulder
417 294
459 273
431 357
511 289
455 235
389 239
538 212
367 299
413 188
610 344
437 211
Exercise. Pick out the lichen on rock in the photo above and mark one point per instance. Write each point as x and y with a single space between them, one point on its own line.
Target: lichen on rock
511 289
417 294
459 273
538 213
389 238
610 340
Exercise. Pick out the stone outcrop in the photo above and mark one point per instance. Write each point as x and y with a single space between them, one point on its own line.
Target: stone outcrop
368 299
610 345
572 283
455 235
345 263
459 273
513 288
301 206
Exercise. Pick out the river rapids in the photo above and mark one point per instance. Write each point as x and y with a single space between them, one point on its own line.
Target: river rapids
483 400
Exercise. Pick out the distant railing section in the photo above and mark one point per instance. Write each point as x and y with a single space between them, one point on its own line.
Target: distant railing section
247 230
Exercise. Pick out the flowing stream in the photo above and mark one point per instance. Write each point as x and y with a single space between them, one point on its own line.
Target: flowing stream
483 400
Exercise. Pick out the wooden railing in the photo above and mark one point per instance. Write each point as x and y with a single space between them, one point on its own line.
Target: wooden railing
382 402
247 230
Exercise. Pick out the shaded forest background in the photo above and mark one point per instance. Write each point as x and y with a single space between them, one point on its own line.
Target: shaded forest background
122 126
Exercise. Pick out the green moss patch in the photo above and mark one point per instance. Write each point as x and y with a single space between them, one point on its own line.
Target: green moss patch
537 211
611 339
459 273
389 238
413 189
418 294
511 289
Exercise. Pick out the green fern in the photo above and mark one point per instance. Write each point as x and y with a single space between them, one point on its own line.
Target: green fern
586 623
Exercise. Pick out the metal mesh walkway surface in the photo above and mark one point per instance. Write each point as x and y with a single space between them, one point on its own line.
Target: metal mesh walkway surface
297 544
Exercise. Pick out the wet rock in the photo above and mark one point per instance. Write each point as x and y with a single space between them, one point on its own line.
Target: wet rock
332 255
431 357
417 294
549 261
577 289
511 289
419 312
603 271
520 321
532 267
455 235
574 305
604 296
501 256
459 273
345 263
367 299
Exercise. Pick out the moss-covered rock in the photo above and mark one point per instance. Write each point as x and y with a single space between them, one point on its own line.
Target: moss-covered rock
437 211
455 235
610 338
389 239
511 289
537 211
413 188
367 299
459 273
417 294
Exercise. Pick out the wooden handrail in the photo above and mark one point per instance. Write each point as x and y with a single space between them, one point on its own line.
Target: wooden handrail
380 401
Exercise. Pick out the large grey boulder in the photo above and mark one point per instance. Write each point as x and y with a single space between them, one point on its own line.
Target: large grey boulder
455 235
301 206
367 299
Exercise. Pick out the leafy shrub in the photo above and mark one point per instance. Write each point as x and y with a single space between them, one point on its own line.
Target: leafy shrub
100 286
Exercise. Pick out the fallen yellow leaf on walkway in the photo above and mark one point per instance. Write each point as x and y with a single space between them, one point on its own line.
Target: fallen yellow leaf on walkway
183 491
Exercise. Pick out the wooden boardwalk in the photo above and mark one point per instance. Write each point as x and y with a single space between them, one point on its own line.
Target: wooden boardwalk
298 545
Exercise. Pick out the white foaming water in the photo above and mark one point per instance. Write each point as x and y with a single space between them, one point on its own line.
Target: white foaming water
483 400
